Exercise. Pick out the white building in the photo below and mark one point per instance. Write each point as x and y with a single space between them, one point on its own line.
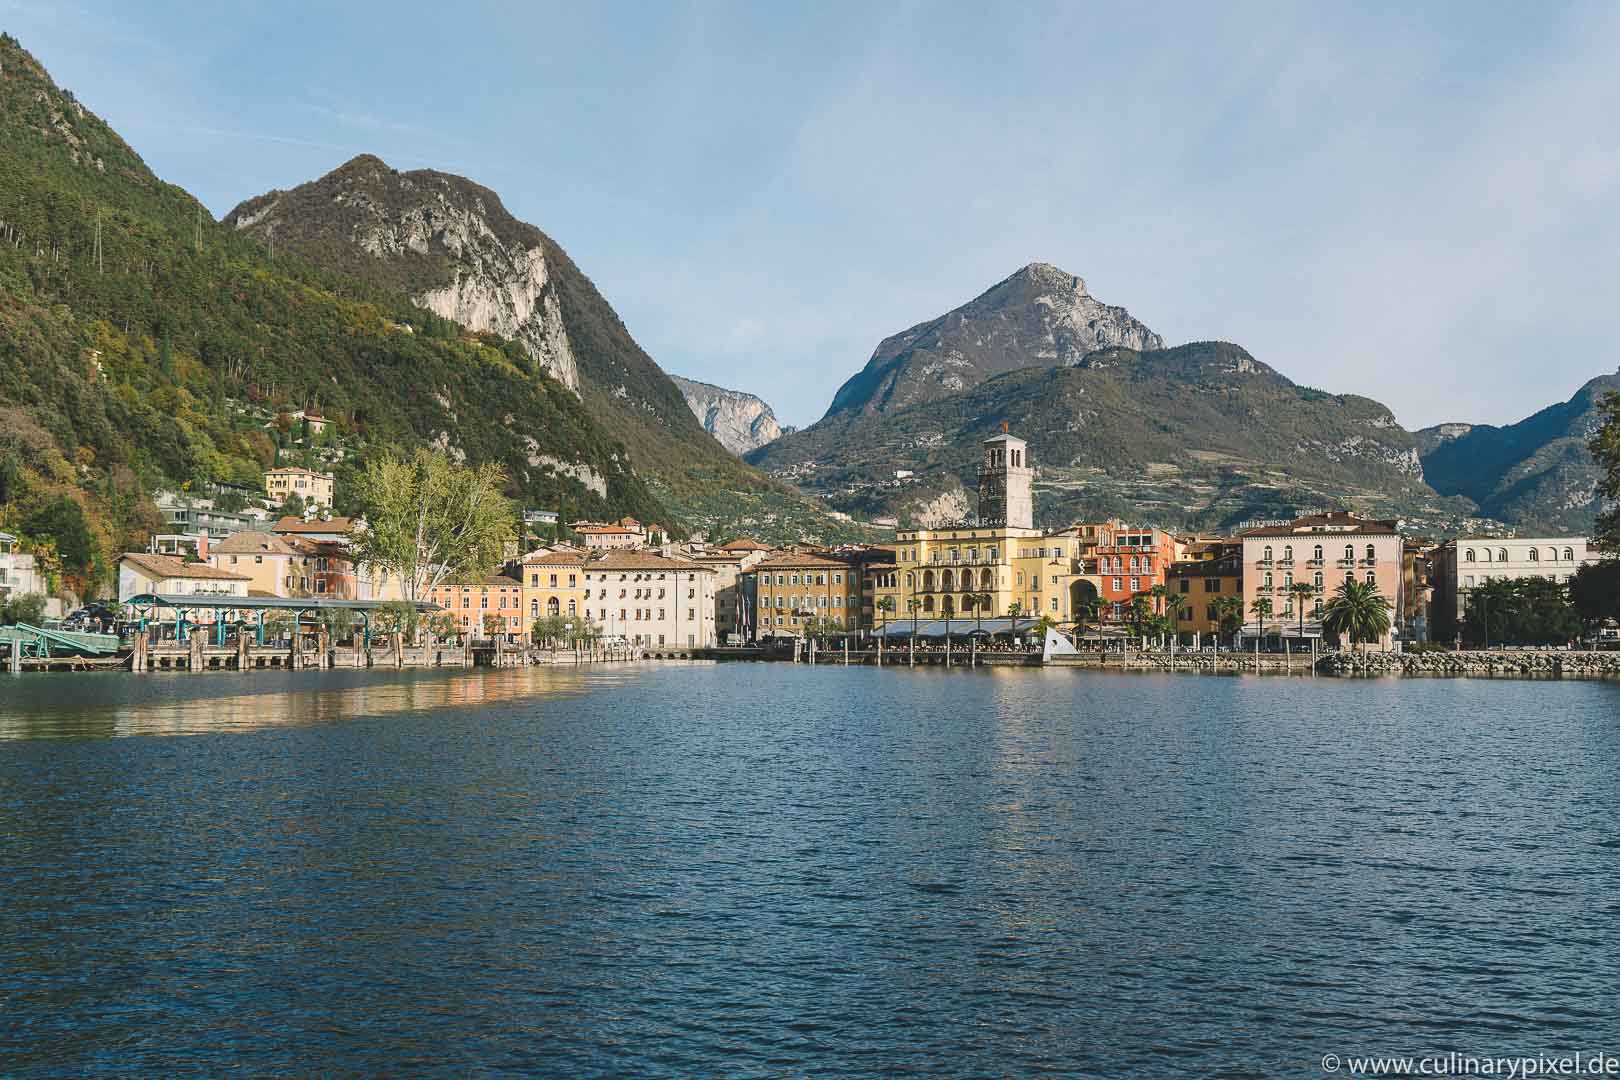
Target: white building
651 600
1459 566
20 576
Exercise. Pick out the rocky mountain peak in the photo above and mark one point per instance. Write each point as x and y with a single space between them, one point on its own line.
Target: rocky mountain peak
1040 316
445 241
740 421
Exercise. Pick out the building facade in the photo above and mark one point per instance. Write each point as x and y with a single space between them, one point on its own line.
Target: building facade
1322 551
554 586
174 579
650 600
315 488
481 606
800 593
1208 573
1457 567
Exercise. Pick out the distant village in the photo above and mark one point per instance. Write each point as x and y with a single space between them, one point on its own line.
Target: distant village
629 581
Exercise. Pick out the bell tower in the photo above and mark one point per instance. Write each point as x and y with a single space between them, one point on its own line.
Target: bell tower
1006 483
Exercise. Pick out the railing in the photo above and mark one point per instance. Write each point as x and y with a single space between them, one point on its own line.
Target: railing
1314 562
1347 564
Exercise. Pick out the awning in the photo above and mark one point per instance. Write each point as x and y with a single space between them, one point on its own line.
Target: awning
958 628
206 601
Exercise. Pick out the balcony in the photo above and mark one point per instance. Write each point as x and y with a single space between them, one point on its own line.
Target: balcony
1285 562
1313 562
1369 562
1347 564
1263 562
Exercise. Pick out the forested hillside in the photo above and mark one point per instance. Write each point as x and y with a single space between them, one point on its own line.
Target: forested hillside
144 345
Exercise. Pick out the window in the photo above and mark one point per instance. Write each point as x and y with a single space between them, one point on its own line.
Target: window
1288 552
1501 555
1211 612
1350 552
1468 556
1186 584
1372 578
1118 583
1316 579
1535 555
1317 553
1054 603
1212 584
1135 584
1487 555
1265 556
1268 583
1569 554
1372 554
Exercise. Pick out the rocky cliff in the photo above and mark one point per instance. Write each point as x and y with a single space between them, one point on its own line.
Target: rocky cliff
444 240
742 422
1039 317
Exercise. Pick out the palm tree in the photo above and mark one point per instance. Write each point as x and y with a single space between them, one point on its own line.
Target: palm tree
1139 616
1174 604
884 605
1230 610
980 601
1158 593
1358 610
1261 608
912 604
1301 591
1088 609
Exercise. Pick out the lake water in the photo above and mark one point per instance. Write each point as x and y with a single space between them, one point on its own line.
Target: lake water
769 870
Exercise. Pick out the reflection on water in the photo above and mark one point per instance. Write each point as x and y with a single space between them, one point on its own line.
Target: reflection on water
695 870
106 705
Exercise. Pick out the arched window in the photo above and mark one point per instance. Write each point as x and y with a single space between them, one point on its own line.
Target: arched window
987 580
928 603
928 581
1288 552
1268 579
1317 554
1569 555
1266 556
1552 554
1317 581
1372 553
911 581
947 580
1535 554
1468 556
1372 577
553 607
1487 554
1501 555
1288 579
1350 552
1317 611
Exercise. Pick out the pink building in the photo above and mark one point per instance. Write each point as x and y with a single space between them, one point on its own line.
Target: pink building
1322 551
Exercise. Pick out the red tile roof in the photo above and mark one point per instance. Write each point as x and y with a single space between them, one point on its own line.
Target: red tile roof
168 567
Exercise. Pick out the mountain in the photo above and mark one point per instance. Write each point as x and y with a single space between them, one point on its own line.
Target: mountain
741 422
442 240
450 245
144 346
1537 473
1199 436
1039 317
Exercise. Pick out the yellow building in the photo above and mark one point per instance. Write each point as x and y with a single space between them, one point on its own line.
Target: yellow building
316 489
1209 571
553 584
799 592
952 569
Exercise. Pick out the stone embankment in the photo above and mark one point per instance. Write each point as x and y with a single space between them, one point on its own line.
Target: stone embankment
1506 662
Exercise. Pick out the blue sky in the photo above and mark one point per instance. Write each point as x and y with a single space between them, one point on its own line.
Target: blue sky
1414 202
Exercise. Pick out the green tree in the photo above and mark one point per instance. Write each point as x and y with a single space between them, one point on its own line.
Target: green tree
62 521
1595 591
1521 611
1301 593
24 608
1357 611
885 608
1229 610
429 519
1605 447
1174 605
1261 610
